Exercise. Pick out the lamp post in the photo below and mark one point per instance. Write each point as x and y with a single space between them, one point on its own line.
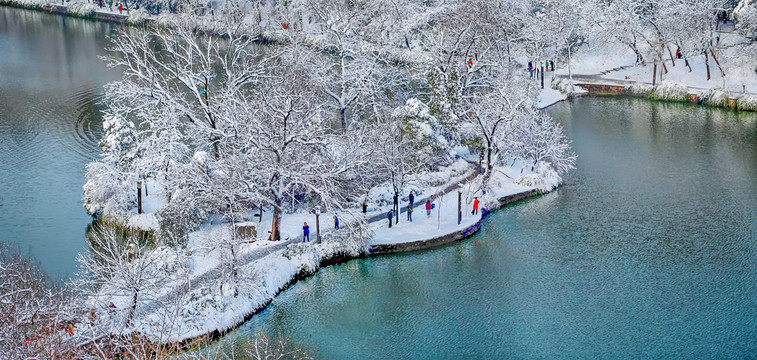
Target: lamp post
459 206
317 212
139 197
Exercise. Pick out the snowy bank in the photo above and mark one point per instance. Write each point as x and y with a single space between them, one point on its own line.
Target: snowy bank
195 295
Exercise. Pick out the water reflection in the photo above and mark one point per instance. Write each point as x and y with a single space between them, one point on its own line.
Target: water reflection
50 89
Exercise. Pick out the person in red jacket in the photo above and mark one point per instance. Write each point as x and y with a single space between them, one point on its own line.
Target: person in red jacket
475 206
120 8
428 208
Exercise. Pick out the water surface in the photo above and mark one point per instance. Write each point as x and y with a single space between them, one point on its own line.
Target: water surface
50 86
648 251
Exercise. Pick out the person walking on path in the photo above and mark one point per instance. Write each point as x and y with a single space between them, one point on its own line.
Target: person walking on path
410 212
120 8
475 206
365 206
389 216
428 208
336 221
305 232
552 65
412 198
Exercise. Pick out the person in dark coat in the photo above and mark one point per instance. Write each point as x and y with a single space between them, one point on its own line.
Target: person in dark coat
336 222
552 65
412 198
389 216
305 232
365 206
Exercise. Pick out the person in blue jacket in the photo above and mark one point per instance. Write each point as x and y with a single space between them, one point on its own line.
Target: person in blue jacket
389 216
412 198
336 221
305 232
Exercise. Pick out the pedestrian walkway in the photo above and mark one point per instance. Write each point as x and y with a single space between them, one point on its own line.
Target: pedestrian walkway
444 216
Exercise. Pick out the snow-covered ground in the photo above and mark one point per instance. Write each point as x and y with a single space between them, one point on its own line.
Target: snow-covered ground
443 218
199 297
549 95
616 62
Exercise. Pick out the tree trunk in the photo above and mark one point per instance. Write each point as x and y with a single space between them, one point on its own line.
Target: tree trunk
707 64
133 307
275 222
343 119
639 57
722 73
233 263
654 73
396 207
489 159
686 61
673 62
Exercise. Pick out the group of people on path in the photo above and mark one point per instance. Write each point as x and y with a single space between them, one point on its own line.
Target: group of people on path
306 228
548 64
389 215
411 203
429 206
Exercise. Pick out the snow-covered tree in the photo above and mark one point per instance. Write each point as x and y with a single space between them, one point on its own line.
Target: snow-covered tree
32 311
174 78
285 149
403 150
745 17
537 139
562 24
109 186
121 266
491 114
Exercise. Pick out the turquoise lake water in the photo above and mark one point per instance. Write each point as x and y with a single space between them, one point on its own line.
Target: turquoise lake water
51 82
648 251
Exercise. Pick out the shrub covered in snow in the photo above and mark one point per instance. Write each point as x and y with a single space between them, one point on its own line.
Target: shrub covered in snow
715 97
424 126
638 89
82 9
108 190
669 90
545 178
747 102
565 86
138 17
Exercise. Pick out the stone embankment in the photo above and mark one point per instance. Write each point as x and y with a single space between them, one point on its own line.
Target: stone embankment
594 85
